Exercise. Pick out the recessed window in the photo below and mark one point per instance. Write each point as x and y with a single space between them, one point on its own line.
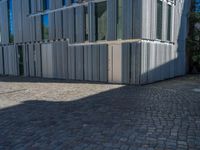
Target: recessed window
29 5
10 20
86 24
45 4
101 20
75 1
64 2
45 27
119 19
169 23
159 19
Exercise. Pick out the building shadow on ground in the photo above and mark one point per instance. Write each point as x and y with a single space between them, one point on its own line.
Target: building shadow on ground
129 117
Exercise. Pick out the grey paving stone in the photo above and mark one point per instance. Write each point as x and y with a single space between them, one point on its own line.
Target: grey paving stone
57 114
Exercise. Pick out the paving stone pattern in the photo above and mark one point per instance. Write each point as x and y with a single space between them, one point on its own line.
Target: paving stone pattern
54 114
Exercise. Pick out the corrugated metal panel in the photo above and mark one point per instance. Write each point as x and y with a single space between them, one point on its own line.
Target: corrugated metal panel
112 20
80 27
127 19
51 26
79 62
103 63
58 24
38 61
95 62
4 22
71 25
126 62
91 14
71 62
38 28
1 61
47 61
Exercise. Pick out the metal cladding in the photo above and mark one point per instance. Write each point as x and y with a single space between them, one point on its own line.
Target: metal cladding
71 51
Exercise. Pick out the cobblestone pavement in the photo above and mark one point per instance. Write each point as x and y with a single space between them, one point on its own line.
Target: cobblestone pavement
55 114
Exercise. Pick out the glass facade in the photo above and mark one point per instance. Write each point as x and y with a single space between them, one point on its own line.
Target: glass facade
119 19
101 20
159 19
64 2
169 22
45 27
45 4
86 24
10 20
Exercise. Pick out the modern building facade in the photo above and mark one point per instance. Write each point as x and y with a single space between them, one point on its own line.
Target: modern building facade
115 41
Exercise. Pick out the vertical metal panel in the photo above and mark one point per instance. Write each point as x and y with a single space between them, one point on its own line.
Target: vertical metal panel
65 59
31 59
91 15
95 62
71 24
38 60
115 63
80 27
71 62
51 26
47 64
38 28
88 62
144 63
137 18
136 50
58 24
4 22
112 20
65 24
25 60
126 62
52 4
58 3
79 62
103 63
1 61
127 19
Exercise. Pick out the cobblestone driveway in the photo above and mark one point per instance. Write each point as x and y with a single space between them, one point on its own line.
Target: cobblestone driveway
51 114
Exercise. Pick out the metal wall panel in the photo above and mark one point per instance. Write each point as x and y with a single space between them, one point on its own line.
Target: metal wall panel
127 19
103 63
1 61
126 62
51 26
88 63
47 60
58 24
72 62
80 27
4 22
112 20
38 61
38 28
91 14
95 62
79 62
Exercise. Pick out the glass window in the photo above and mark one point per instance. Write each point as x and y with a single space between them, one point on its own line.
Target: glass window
119 19
0 33
75 1
169 22
29 5
101 20
45 27
159 19
64 2
10 15
86 24
45 4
